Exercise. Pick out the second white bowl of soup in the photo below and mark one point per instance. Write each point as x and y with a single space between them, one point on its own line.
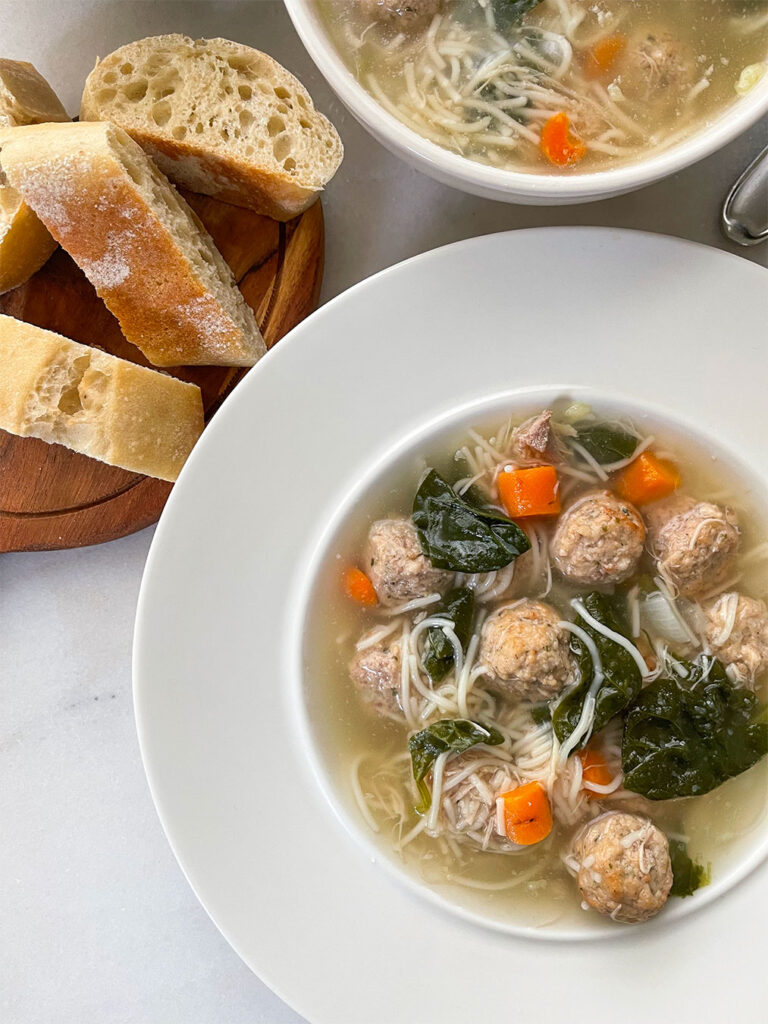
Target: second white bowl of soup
544 101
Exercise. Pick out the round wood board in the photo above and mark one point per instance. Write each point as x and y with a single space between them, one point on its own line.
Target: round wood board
53 498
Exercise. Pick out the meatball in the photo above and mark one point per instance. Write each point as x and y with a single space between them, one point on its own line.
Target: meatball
526 652
396 566
404 15
468 808
598 540
375 672
655 68
695 543
737 633
624 866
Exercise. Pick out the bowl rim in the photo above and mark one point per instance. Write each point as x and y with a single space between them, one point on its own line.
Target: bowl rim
740 116
423 434
299 964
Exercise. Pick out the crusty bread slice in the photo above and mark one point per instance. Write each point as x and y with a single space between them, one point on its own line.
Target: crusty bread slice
122 414
139 244
26 97
25 245
218 118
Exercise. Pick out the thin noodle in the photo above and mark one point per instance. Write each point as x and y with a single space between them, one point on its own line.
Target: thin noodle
360 800
617 638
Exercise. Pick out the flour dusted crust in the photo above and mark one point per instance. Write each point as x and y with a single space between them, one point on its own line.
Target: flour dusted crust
137 241
125 415
25 244
218 118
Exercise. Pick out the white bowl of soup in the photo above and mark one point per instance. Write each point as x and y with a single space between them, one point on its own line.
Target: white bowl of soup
544 101
535 657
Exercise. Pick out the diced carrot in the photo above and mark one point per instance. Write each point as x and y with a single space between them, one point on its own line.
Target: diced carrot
594 770
360 588
529 492
558 145
647 479
603 55
527 814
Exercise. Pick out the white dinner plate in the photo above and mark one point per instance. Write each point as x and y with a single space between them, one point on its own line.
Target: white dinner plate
652 320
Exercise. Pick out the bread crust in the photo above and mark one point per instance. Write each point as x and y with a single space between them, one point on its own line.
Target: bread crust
25 96
228 179
208 152
81 181
117 412
25 244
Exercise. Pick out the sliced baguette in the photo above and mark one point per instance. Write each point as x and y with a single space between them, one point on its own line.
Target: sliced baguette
218 118
112 410
26 97
25 244
137 241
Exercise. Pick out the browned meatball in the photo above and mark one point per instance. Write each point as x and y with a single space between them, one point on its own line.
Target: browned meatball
396 566
468 808
525 652
624 866
737 633
403 15
695 543
599 540
655 67
375 672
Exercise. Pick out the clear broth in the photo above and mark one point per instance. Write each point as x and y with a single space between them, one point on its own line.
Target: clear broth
720 827
650 96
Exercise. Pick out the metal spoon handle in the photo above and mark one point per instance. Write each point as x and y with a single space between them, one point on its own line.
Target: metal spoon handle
745 213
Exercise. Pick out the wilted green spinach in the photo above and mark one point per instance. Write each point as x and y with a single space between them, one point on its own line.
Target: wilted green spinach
512 12
606 442
687 875
687 734
438 655
461 537
621 682
541 713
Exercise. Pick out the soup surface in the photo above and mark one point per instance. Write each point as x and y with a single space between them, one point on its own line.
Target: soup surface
554 85
538 660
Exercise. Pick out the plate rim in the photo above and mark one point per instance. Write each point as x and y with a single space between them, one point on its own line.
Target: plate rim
287 345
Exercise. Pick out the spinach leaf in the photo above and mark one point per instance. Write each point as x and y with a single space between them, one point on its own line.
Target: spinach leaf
621 682
479 500
458 536
458 605
454 734
567 711
686 735
512 12
541 714
687 875
606 442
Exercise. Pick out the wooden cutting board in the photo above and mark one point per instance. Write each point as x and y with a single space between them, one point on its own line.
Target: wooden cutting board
53 498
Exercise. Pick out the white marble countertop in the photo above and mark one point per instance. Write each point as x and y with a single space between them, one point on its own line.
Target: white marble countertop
98 925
